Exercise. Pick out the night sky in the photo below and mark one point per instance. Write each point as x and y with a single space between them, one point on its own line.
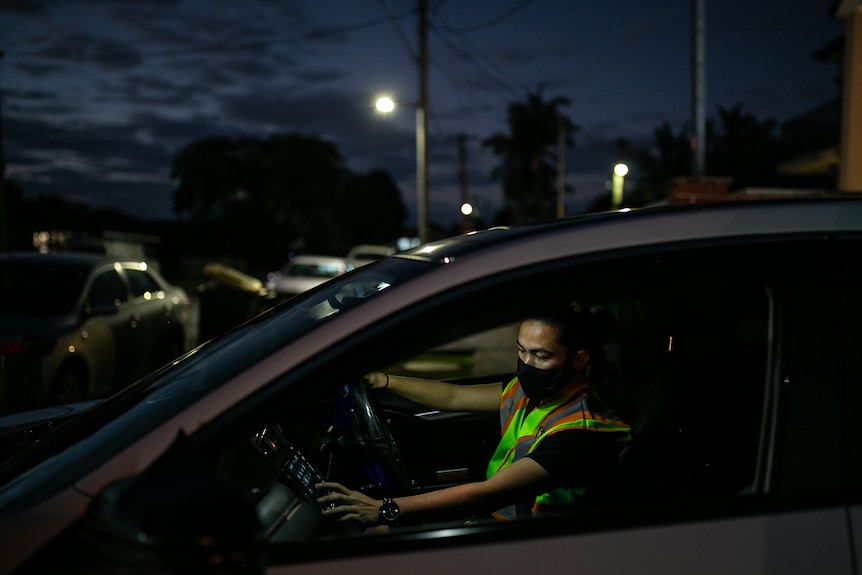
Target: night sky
98 95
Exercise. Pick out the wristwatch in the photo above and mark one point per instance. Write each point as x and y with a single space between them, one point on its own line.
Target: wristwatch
389 512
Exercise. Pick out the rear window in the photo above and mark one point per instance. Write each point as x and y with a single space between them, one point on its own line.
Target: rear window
40 288
313 270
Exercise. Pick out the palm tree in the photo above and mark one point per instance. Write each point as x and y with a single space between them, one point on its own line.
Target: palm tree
739 146
744 148
671 158
528 157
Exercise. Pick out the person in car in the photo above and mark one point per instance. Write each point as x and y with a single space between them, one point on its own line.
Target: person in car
557 437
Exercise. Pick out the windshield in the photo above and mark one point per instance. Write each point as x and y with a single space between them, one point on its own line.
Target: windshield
101 433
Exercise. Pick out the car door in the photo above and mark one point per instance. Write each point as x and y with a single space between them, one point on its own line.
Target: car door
723 357
147 300
850 318
733 350
118 354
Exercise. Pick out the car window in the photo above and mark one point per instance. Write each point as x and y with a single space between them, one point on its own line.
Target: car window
850 319
106 290
40 287
140 282
126 417
313 270
478 355
688 337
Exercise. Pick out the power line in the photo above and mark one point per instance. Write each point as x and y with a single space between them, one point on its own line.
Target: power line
401 35
218 46
504 15
469 55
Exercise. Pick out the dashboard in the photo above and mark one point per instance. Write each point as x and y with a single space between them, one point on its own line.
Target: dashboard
281 481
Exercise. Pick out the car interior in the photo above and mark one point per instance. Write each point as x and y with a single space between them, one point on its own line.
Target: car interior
685 353
684 362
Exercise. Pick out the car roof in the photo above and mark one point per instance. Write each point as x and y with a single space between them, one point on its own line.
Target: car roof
57 257
310 258
375 249
657 224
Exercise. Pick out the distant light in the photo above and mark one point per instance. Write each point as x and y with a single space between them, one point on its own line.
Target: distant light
621 169
385 104
466 208
405 243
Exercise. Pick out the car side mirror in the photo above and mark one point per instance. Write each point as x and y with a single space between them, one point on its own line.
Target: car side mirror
178 516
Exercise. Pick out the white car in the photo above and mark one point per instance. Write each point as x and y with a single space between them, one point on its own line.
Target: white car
76 326
364 254
304 272
731 337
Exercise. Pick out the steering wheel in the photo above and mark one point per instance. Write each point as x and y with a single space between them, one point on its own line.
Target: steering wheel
371 427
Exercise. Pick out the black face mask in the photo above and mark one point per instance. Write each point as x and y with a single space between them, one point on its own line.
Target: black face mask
541 383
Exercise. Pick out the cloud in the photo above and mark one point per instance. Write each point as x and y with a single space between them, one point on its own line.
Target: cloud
119 86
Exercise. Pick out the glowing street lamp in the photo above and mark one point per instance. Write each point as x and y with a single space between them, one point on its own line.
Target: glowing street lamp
384 104
620 171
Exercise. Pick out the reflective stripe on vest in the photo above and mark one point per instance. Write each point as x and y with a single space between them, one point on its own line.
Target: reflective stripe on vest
522 432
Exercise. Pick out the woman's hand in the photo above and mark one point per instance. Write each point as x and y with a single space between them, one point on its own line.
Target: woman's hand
376 380
342 504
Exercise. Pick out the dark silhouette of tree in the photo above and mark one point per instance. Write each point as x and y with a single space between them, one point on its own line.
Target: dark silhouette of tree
743 148
739 146
370 210
528 158
669 158
266 198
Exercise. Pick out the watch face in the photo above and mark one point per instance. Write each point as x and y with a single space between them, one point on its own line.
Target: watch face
389 511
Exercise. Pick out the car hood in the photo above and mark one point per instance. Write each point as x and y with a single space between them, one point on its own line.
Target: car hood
18 430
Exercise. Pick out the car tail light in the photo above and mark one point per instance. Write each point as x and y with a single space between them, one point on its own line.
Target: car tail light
11 347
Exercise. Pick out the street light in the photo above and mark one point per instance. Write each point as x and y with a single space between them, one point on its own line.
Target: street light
386 105
620 171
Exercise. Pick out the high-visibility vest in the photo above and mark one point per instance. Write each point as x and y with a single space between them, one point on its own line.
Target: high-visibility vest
522 432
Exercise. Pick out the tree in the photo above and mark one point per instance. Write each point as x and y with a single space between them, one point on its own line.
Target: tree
669 158
261 199
739 146
370 210
743 148
528 157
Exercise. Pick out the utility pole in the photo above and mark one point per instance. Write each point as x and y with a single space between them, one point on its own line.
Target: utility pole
422 127
698 93
462 179
561 166
4 239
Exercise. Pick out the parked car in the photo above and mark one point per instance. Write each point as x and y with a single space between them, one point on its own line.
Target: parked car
363 254
303 272
76 326
731 344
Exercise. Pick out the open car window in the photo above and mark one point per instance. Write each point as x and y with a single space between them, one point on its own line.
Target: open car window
688 349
